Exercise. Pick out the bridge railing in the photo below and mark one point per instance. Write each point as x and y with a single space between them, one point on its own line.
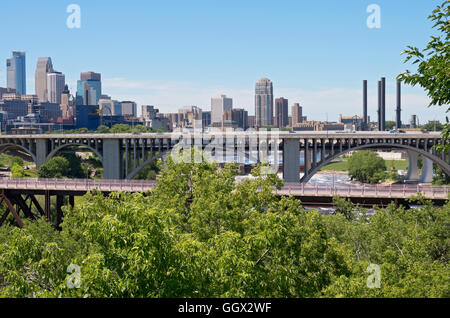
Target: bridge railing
77 184
296 189
391 191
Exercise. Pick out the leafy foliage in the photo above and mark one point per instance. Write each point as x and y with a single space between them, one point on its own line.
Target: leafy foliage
200 234
17 171
433 64
57 167
366 166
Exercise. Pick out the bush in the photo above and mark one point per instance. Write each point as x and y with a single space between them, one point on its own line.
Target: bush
57 167
366 166
17 171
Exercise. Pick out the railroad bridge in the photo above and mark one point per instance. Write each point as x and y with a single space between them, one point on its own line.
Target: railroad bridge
124 155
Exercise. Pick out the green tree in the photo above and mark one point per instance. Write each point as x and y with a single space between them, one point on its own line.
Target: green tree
198 233
433 126
390 124
344 207
440 177
120 129
16 161
57 167
433 64
367 167
75 165
17 171
102 129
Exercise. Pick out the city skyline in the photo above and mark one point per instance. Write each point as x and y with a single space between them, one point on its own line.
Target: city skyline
303 73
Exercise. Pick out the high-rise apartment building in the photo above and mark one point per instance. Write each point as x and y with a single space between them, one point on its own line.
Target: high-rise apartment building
89 89
55 86
281 112
43 68
218 107
297 114
129 109
149 112
264 103
238 118
16 72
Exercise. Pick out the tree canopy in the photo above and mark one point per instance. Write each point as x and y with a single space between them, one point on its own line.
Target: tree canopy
201 234
433 64
57 167
366 166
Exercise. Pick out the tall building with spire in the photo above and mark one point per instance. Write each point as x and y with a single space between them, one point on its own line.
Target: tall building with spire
264 103
16 72
44 67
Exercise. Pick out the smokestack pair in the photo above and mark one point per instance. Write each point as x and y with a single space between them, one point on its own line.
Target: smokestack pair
382 105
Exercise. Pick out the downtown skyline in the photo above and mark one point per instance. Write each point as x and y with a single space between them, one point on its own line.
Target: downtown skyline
323 76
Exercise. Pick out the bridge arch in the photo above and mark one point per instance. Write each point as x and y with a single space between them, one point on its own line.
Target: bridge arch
69 145
136 171
442 164
8 146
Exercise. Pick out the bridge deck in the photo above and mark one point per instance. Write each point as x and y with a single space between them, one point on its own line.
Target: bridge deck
299 190
365 191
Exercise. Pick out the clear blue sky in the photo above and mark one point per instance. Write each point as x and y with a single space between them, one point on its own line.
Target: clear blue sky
175 53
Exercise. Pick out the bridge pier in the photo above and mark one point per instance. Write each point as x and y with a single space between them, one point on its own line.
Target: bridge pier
291 160
413 171
112 159
41 152
427 171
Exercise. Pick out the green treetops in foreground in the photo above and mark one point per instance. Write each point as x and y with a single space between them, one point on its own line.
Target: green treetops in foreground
367 167
199 234
433 65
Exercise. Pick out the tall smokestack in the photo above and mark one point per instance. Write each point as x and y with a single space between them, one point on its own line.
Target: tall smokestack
365 119
379 105
399 106
383 103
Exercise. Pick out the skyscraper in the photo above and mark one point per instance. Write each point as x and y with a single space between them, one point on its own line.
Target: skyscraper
264 103
89 89
67 103
55 86
16 72
44 67
281 112
218 106
297 114
128 108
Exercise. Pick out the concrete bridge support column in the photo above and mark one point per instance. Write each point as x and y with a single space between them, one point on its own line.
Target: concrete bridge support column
413 172
427 171
112 159
41 152
291 160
